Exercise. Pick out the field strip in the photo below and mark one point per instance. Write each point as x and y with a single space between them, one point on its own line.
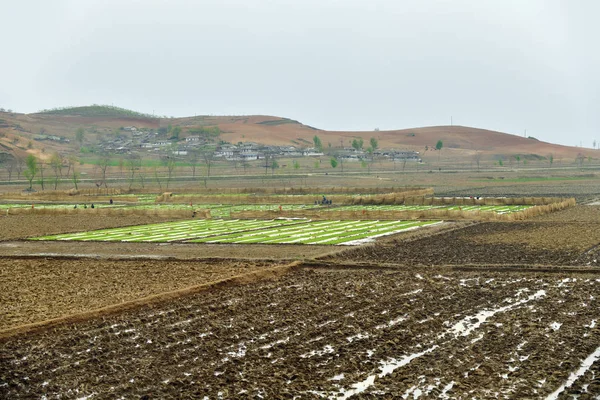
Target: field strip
260 236
170 231
462 328
585 365
317 232
251 277
402 229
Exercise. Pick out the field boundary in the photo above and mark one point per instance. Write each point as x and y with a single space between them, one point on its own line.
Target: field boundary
430 214
182 213
152 300
533 268
346 199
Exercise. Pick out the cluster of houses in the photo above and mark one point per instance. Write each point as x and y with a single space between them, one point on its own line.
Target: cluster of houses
51 137
151 141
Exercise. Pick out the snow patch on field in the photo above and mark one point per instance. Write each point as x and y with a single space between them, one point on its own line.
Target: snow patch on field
468 324
387 367
585 365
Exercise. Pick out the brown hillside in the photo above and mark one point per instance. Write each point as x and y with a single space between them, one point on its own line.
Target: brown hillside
18 130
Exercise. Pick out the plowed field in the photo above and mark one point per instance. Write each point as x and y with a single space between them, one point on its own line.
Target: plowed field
33 290
570 237
330 334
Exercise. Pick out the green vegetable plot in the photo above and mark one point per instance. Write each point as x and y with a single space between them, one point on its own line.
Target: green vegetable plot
249 231
169 231
497 209
318 232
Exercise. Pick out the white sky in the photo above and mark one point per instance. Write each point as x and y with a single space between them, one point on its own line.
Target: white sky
506 65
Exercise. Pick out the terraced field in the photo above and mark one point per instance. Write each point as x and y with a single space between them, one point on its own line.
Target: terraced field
280 231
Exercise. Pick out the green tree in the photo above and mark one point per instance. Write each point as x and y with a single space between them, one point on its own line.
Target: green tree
175 132
317 164
518 158
333 162
318 143
274 165
32 169
374 143
296 165
357 144
500 162
439 145
79 135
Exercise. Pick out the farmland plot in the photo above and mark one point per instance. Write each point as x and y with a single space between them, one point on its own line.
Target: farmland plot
322 232
331 334
504 209
170 231
281 231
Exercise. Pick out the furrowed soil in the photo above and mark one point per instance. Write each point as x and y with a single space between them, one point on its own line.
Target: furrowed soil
569 237
321 333
34 290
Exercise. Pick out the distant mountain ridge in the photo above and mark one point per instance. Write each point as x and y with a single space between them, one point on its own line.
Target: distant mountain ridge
17 131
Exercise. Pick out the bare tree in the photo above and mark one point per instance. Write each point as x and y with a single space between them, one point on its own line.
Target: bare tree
9 165
477 159
133 164
20 165
157 178
170 164
41 167
103 164
56 163
193 158
208 157
580 159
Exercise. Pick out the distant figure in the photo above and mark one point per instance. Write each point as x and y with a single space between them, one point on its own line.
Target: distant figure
32 206
110 201
85 206
75 206
280 208
92 205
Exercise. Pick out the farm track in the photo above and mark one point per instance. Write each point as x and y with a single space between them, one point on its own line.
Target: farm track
321 332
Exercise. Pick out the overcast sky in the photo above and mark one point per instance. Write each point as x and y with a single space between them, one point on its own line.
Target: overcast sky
506 65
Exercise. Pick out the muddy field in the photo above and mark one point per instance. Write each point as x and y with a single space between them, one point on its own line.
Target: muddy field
570 237
319 333
34 290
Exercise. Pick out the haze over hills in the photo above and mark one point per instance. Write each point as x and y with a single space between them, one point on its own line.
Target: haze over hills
17 133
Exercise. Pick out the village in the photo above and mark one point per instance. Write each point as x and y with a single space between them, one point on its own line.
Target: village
133 140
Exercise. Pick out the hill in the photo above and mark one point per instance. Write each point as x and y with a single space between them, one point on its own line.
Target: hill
20 133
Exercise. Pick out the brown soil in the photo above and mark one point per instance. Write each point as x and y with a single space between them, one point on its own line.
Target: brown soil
175 251
317 333
33 290
556 241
